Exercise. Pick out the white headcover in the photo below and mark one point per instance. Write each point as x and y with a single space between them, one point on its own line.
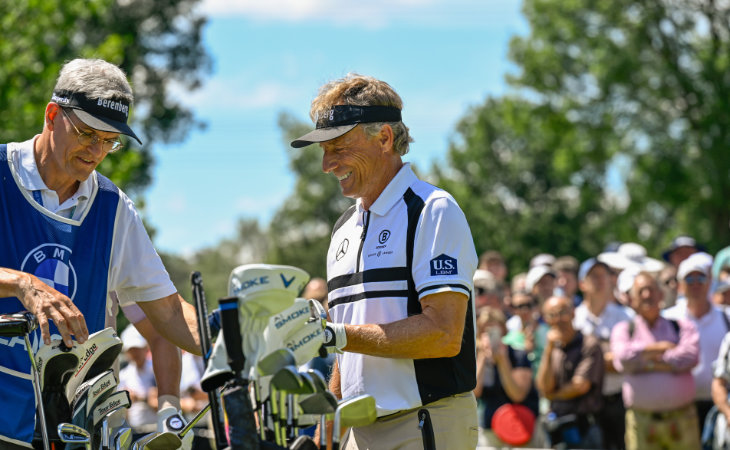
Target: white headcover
263 290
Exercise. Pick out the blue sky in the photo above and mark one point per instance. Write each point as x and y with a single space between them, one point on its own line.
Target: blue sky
441 56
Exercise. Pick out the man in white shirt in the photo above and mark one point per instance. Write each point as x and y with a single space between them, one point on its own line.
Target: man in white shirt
597 315
693 275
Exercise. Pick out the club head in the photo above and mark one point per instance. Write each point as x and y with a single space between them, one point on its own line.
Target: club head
308 386
122 439
319 403
319 382
287 379
317 311
158 441
354 412
73 434
271 363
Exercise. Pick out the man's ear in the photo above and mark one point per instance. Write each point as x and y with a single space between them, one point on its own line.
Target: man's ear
385 137
52 110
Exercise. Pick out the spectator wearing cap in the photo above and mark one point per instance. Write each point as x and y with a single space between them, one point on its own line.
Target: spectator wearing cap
540 284
721 294
504 373
528 331
656 357
540 281
542 259
566 281
571 377
711 322
487 291
596 316
680 249
629 254
667 279
493 262
138 378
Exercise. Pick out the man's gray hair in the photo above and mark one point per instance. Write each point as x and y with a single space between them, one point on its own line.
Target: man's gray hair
96 78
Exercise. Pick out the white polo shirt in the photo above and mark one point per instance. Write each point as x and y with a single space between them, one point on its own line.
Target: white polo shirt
370 281
600 327
712 328
136 272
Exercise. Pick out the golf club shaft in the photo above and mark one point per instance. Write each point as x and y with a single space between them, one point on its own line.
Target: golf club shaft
38 394
204 331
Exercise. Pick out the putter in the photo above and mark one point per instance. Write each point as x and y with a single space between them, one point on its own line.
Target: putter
353 412
72 434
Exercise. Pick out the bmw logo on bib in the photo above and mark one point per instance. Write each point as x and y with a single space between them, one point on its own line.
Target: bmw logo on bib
51 263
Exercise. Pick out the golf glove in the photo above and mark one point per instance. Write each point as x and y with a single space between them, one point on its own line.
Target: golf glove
335 335
169 420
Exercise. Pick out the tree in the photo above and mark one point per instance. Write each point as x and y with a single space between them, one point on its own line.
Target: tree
528 181
156 42
300 229
651 78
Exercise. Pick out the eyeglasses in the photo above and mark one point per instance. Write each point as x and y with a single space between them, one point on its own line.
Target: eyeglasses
689 279
107 145
524 306
554 315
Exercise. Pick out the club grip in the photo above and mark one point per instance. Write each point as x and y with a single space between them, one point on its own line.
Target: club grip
232 333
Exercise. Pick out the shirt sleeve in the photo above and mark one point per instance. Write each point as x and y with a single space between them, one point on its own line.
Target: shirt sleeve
444 258
590 367
721 364
687 352
626 354
136 273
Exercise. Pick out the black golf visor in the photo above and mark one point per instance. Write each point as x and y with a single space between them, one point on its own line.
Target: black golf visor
343 118
101 114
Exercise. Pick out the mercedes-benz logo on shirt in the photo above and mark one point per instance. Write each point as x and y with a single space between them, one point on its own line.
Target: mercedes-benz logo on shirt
342 249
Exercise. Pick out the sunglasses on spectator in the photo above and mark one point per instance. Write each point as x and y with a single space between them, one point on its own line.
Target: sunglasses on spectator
481 291
689 279
554 315
529 305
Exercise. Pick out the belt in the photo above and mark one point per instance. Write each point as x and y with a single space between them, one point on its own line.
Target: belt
665 415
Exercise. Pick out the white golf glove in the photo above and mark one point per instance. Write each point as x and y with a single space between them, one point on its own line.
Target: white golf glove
169 420
335 336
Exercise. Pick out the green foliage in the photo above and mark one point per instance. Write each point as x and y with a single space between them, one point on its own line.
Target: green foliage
249 245
156 42
651 78
528 182
300 230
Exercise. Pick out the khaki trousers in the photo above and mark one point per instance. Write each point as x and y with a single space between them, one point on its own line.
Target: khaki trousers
454 421
676 429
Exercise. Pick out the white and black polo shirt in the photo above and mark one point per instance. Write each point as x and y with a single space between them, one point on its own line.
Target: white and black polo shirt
414 241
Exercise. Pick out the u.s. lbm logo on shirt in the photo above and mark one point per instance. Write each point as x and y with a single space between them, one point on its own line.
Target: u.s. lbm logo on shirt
443 264
51 263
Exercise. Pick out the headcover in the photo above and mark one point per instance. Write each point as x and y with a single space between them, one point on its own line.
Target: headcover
101 114
343 118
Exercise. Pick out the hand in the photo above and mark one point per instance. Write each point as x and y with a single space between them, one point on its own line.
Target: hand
500 353
47 304
554 336
335 335
484 348
529 333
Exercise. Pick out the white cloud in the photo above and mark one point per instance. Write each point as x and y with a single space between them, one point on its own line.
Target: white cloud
367 14
224 93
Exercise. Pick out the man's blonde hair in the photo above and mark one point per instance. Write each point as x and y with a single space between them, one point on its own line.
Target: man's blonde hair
360 90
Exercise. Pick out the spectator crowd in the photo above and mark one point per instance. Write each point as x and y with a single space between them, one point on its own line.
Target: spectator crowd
621 350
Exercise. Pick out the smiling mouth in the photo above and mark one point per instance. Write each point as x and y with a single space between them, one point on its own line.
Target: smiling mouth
344 177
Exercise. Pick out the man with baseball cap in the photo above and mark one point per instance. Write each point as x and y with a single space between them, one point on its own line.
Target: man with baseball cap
399 273
596 316
694 277
70 240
